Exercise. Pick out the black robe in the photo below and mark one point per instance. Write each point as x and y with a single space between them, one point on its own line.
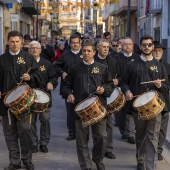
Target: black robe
122 62
83 80
110 62
11 70
48 53
140 71
48 74
67 60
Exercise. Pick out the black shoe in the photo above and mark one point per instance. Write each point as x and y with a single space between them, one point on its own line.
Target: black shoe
124 137
131 140
13 167
71 136
29 165
140 166
43 148
110 155
100 166
35 149
160 157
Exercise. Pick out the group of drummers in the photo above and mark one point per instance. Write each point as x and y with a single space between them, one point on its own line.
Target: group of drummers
97 82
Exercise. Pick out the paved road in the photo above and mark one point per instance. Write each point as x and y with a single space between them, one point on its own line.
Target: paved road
62 153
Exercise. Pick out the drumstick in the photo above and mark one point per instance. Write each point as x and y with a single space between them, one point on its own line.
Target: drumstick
115 75
135 96
23 79
151 81
95 91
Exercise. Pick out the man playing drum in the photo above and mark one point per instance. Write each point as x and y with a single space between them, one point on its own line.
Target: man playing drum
14 66
145 69
84 79
48 83
103 57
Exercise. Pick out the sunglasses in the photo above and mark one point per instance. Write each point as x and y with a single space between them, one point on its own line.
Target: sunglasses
147 44
114 45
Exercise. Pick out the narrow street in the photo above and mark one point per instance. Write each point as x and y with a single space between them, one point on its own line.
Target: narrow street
62 153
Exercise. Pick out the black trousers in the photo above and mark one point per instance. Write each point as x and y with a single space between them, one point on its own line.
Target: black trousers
18 138
70 117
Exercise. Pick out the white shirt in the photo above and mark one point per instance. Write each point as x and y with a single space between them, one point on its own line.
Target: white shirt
127 55
14 53
75 52
88 63
144 59
101 57
38 59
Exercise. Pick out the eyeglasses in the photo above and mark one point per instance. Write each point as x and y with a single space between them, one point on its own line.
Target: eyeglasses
34 48
114 45
147 44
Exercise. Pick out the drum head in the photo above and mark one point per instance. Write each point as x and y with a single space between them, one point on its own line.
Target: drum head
86 103
113 96
15 94
41 96
144 98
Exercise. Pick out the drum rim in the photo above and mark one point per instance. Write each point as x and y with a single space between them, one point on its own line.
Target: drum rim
19 98
97 98
156 94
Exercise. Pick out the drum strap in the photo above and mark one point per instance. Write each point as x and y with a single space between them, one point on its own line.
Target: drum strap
29 107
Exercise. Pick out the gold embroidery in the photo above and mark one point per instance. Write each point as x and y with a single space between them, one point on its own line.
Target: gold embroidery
81 56
132 60
154 68
95 70
42 68
20 60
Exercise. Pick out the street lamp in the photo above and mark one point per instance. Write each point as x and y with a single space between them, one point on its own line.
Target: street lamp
37 5
95 4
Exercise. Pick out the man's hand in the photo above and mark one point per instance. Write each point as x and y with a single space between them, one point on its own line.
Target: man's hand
71 98
129 95
115 82
100 90
25 77
64 75
157 83
49 86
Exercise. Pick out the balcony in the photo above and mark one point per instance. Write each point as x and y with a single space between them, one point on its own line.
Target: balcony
29 8
11 1
120 8
155 6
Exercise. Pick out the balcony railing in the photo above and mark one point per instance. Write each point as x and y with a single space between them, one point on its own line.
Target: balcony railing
155 6
29 7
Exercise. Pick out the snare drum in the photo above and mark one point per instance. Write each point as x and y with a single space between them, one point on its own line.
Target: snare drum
116 101
90 111
148 105
19 99
42 100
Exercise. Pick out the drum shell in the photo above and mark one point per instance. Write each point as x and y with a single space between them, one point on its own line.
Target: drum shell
92 114
20 104
41 107
150 109
117 104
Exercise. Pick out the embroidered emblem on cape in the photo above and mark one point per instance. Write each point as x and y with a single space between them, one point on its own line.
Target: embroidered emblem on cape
20 60
81 56
154 68
132 60
42 68
95 70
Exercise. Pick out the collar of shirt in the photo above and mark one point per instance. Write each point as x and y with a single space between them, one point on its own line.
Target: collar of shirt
75 52
88 63
38 59
127 55
102 58
144 59
14 53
